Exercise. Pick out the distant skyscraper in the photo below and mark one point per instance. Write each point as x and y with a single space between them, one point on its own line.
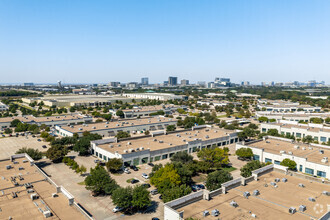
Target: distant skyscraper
263 84
59 84
145 81
184 82
114 84
28 84
245 83
201 83
172 81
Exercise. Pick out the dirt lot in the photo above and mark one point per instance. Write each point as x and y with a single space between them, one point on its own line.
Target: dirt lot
9 145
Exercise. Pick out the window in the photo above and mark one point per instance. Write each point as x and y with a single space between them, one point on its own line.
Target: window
151 159
298 135
316 138
264 130
256 157
157 158
104 158
219 144
277 162
100 156
136 161
97 154
194 149
232 141
144 160
224 143
323 139
164 156
236 139
268 160
300 168
321 173
309 171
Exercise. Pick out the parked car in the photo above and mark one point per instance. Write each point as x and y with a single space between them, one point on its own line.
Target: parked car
146 185
134 168
151 164
194 188
201 186
126 170
39 140
117 209
145 176
155 218
154 192
44 146
33 136
96 161
134 181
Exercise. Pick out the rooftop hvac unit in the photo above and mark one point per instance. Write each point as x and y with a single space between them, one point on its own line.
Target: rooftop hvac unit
119 145
277 180
129 143
253 215
256 192
8 167
184 140
30 191
28 185
292 210
111 145
25 161
125 151
290 152
21 168
296 147
233 203
246 195
155 139
94 127
301 185
324 160
34 196
106 126
54 195
282 151
273 183
284 180
303 148
161 141
326 193
141 148
321 151
310 148
215 212
137 149
47 213
15 162
206 136
267 142
302 208
80 129
14 194
311 199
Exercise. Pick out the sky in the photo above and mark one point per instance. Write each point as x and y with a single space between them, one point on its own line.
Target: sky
95 41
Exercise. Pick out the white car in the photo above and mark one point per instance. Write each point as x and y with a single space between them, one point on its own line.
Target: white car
127 171
145 176
117 209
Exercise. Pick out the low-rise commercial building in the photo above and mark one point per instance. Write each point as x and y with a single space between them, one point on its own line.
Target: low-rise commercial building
156 96
3 107
272 192
109 129
319 132
49 121
285 106
143 111
28 193
311 159
160 145
297 116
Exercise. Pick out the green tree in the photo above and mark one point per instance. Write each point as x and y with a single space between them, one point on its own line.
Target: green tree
120 113
122 197
289 163
14 123
56 152
216 178
182 157
35 154
246 133
214 157
170 128
244 153
263 119
273 132
82 169
175 192
247 169
100 182
166 177
308 139
122 134
327 120
8 131
140 197
316 120
115 164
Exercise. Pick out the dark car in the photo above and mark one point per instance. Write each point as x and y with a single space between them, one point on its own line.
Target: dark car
151 164
154 192
201 186
155 218
33 136
44 146
160 197
134 168
134 181
39 140
146 185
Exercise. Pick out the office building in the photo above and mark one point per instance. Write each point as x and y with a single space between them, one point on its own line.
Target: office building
160 145
143 111
184 82
114 84
145 81
172 81
272 192
3 107
285 106
110 129
296 116
28 84
157 96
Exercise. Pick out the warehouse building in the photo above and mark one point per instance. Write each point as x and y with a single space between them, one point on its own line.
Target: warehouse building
319 132
160 146
108 129
298 116
285 106
143 111
312 159
270 193
49 121
28 193
156 96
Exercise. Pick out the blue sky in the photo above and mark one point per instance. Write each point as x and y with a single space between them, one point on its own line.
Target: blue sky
79 41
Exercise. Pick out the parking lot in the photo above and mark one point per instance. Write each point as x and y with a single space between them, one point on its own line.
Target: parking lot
9 145
101 206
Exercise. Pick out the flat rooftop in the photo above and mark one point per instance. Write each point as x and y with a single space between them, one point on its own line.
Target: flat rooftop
31 118
117 124
302 126
79 98
166 141
22 207
312 153
149 108
272 203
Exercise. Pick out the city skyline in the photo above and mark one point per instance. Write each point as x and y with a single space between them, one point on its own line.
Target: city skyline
106 41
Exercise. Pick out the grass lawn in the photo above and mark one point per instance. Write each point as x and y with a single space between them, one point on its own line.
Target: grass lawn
129 180
82 183
199 178
229 169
